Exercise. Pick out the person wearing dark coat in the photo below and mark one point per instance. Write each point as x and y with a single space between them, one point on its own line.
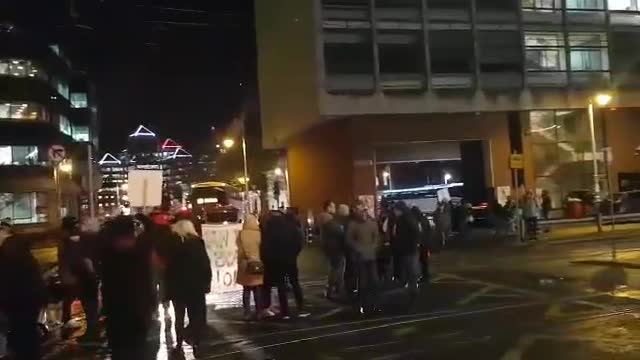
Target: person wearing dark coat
76 263
425 241
22 294
334 243
281 244
188 281
405 241
126 288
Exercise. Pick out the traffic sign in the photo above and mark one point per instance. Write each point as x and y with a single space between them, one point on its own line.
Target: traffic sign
516 161
57 153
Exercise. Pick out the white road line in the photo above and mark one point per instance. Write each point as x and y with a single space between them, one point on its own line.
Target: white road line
476 294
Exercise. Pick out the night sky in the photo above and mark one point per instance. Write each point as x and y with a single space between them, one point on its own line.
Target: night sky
178 66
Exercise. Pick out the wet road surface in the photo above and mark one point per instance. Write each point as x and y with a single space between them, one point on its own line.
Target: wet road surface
540 302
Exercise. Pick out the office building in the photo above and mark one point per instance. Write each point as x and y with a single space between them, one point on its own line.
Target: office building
351 86
44 101
146 152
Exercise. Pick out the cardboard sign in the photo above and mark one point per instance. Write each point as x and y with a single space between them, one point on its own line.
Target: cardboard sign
516 161
145 188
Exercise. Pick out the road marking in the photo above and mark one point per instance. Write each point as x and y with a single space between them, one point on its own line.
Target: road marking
361 347
476 294
377 327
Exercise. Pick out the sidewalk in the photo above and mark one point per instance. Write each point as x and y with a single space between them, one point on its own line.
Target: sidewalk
563 234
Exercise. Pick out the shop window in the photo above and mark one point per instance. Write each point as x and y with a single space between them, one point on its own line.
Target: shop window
561 151
24 208
19 68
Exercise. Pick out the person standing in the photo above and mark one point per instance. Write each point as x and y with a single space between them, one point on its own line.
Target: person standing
188 282
530 210
22 294
281 244
546 204
334 245
250 267
363 239
424 243
126 288
443 221
406 240
77 268
328 212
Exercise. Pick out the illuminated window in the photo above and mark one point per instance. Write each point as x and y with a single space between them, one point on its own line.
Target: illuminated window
21 111
24 208
18 155
585 4
625 5
65 125
545 51
541 4
589 52
81 133
63 87
79 100
19 68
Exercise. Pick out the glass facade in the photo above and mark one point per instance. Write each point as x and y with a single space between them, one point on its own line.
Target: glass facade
79 100
22 111
20 68
387 45
81 133
561 151
65 125
18 155
24 208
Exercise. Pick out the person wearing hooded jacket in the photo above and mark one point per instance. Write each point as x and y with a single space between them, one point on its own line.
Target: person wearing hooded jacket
250 277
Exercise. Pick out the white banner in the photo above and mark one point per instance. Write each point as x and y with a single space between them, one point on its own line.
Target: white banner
220 241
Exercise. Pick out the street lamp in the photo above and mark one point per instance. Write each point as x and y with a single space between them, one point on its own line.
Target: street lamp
277 171
228 143
447 178
66 166
601 100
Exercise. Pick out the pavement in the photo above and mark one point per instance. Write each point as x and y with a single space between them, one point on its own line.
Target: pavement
539 301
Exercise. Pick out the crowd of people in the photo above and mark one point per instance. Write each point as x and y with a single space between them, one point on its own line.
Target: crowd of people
132 267
121 272
365 252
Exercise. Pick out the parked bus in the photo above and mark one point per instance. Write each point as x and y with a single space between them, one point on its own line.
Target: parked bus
215 202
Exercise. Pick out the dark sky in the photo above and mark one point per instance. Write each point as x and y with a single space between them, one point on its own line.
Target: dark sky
174 65
178 71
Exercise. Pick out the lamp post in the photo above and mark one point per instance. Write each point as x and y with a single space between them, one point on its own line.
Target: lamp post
229 143
601 100
67 167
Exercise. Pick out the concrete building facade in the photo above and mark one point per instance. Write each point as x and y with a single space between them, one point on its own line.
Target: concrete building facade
343 81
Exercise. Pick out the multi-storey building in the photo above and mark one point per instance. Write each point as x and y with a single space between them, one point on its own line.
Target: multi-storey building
145 152
348 85
40 107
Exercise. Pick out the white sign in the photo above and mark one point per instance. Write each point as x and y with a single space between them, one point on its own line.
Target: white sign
502 194
57 153
145 188
220 241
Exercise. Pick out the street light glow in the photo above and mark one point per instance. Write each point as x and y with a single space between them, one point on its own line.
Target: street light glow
447 178
66 166
242 180
277 171
603 99
228 143
125 187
